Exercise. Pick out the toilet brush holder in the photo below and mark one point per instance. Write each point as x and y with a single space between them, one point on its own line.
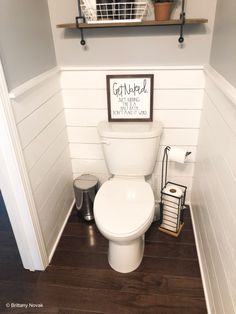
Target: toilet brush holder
172 203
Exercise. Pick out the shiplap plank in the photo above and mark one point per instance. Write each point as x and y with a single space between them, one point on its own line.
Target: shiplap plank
163 99
42 190
170 118
179 137
98 165
220 183
214 189
24 105
56 203
228 233
56 191
223 301
178 118
44 164
94 151
221 131
83 135
30 127
223 170
84 117
86 151
208 244
164 79
169 136
40 144
89 165
62 207
228 112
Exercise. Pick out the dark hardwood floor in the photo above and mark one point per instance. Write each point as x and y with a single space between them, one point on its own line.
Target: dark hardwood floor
79 279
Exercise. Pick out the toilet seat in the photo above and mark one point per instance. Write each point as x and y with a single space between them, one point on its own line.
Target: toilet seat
124 207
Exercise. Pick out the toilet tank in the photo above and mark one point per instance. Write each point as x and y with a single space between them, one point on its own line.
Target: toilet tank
130 148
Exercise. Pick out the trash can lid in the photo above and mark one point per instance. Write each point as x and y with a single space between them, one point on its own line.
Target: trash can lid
85 182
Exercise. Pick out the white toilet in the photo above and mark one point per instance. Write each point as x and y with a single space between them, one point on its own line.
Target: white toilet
124 205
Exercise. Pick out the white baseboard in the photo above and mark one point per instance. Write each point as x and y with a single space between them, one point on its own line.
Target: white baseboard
61 231
202 263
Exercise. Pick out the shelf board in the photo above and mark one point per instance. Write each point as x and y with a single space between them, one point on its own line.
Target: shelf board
133 24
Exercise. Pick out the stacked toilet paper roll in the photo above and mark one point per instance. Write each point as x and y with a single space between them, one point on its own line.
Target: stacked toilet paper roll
171 207
177 154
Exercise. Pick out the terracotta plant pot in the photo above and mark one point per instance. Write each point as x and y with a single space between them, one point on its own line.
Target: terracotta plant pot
162 11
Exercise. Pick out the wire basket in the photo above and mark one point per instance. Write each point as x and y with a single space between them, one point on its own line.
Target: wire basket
114 11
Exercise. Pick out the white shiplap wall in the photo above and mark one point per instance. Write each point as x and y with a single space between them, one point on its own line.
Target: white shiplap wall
178 96
214 194
39 116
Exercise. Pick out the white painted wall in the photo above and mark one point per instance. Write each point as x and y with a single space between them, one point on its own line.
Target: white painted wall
132 46
39 117
26 44
177 103
213 195
223 50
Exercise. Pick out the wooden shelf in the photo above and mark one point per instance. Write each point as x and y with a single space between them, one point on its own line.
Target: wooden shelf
133 24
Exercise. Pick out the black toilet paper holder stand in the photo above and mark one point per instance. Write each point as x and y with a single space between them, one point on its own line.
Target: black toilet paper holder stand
171 206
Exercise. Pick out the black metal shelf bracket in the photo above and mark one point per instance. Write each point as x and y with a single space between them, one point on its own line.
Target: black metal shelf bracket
182 18
80 18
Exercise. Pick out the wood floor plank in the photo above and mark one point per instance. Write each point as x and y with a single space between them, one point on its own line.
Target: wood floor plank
79 244
82 230
161 249
7 239
7 255
160 265
153 234
107 301
80 280
134 282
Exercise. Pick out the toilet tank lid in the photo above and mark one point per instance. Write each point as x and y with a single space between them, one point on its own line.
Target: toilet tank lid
130 129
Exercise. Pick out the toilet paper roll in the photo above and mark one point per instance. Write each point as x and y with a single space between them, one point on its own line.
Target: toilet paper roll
172 190
177 154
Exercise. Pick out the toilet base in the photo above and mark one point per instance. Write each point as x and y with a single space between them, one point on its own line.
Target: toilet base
125 257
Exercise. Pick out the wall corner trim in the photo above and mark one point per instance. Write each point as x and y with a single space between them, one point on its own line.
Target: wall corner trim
33 83
16 188
226 88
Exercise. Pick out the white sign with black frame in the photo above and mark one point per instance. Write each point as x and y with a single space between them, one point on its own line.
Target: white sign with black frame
130 97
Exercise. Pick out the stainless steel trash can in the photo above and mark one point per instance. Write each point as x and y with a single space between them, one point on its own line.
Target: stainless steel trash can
85 189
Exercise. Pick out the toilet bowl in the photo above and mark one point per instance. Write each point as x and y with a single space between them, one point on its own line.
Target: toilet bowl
123 211
124 205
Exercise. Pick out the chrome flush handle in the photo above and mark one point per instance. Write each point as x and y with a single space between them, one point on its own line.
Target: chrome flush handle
105 142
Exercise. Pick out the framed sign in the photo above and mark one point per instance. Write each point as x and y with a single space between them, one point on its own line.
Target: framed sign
130 97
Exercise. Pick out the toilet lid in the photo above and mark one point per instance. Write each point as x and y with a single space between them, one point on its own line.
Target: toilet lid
122 206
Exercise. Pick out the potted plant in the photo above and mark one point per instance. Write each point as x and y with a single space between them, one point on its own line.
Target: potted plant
162 9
